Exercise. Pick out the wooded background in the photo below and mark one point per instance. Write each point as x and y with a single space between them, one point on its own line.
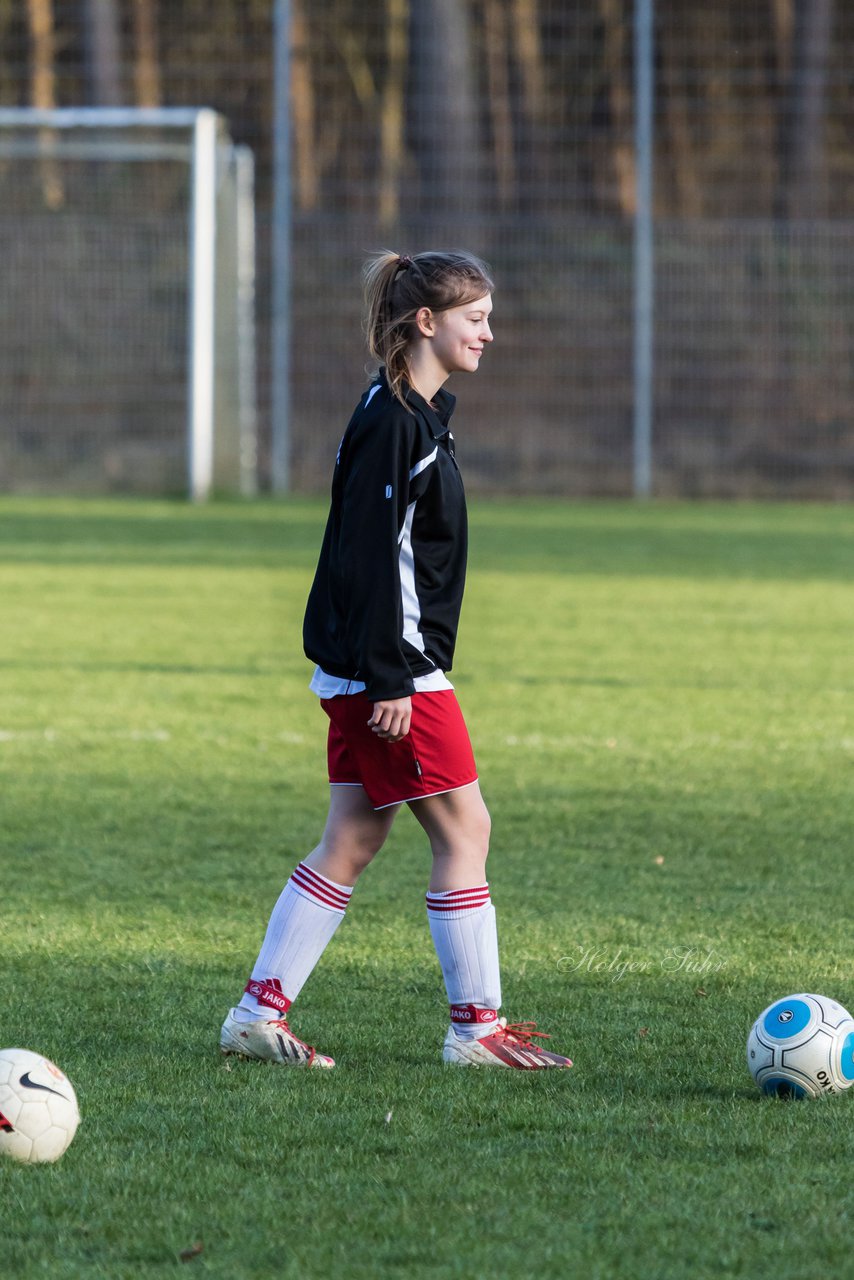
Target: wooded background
506 126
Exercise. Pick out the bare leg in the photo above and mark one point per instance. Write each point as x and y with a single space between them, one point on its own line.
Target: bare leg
458 826
354 833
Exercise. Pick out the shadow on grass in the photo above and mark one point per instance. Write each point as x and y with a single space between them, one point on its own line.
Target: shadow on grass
623 539
149 668
160 534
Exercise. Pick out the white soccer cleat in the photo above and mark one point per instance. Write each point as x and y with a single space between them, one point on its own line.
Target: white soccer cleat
269 1040
510 1045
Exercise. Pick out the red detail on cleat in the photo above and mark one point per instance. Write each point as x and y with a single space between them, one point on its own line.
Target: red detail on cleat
514 1045
472 1013
293 1047
6 1126
268 993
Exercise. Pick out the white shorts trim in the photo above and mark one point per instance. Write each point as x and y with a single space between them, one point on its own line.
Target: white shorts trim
411 799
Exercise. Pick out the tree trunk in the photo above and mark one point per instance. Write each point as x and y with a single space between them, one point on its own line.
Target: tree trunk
528 48
500 104
42 75
393 120
43 91
802 188
783 21
303 112
803 178
688 192
443 110
529 52
620 106
146 67
103 52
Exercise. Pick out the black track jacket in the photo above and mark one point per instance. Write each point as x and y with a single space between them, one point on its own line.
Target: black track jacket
386 597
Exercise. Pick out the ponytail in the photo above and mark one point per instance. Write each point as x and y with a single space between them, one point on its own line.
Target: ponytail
388 329
397 287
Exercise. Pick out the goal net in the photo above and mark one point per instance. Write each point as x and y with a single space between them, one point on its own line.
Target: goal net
127 337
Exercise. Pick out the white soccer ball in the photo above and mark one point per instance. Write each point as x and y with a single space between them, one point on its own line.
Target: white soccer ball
38 1107
802 1047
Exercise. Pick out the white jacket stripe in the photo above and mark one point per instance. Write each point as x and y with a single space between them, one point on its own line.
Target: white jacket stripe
408 594
423 464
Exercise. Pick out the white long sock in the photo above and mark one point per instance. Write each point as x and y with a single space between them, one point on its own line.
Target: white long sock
463 928
309 910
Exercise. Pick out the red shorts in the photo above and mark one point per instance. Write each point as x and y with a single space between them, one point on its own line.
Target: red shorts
435 755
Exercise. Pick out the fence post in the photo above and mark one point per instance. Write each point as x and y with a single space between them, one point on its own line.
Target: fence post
202 304
644 280
281 250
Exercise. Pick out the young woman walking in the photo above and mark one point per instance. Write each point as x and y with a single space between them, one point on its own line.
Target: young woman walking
381 625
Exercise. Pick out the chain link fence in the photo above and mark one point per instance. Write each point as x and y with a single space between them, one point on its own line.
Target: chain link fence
507 127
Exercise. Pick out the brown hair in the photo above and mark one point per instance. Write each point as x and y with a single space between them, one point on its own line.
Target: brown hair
397 287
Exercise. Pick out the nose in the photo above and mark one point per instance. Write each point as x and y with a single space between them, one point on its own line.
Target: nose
486 332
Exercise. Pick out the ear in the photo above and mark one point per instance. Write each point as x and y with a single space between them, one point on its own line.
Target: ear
425 322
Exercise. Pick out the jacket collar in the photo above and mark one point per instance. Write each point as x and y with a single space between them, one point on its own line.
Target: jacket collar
437 415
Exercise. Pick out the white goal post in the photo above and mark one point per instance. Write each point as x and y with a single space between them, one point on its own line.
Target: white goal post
129 242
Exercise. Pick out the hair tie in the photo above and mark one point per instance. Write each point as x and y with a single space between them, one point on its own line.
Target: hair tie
403 262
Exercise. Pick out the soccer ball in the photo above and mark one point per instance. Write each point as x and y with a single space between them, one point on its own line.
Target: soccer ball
802 1047
38 1107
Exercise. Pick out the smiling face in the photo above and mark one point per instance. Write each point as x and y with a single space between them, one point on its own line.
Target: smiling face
461 334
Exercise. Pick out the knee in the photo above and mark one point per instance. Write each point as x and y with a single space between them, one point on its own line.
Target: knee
482 829
353 851
470 840
481 833
365 849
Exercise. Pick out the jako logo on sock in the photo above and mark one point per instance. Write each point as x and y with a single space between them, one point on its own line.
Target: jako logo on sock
266 993
471 1013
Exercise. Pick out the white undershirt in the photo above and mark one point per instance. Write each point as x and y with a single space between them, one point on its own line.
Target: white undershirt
326 686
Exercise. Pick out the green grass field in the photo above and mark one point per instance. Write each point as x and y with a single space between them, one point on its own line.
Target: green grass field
662 704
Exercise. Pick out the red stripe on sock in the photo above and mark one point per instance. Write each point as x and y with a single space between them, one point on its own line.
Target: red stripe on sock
449 894
440 900
473 906
317 887
461 900
321 882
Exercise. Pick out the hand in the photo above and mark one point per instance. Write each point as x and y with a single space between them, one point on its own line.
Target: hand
391 718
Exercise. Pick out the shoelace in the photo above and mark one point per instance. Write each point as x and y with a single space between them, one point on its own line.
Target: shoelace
283 1023
524 1033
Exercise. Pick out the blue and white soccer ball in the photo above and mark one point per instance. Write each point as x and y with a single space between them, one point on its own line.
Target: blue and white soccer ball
38 1107
802 1047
